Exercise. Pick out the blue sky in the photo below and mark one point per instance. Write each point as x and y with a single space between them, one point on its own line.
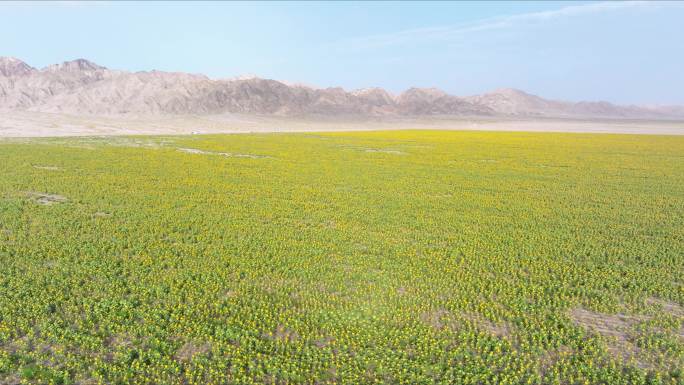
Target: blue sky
620 52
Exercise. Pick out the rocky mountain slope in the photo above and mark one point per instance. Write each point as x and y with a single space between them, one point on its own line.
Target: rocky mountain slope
83 87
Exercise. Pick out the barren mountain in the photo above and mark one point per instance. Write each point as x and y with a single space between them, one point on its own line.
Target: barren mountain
10 66
512 102
432 101
83 87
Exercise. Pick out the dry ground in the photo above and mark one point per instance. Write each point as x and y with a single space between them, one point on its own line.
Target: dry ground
33 124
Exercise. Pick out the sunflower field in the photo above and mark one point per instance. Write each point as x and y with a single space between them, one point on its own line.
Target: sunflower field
397 257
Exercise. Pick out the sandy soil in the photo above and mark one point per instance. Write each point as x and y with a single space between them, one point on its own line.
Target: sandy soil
32 124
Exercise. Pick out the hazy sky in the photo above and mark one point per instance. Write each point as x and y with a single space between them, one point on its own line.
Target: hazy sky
620 52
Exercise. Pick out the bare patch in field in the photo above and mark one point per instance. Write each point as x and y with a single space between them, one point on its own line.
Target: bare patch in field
190 350
607 325
442 196
46 199
441 319
49 168
17 345
119 341
667 306
620 335
10 379
672 309
501 329
551 357
229 294
437 319
283 334
129 142
101 214
226 154
372 149
323 342
552 166
395 152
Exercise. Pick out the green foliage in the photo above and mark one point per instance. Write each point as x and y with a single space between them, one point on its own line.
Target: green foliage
411 257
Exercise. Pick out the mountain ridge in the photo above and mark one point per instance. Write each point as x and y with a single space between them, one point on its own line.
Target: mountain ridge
83 87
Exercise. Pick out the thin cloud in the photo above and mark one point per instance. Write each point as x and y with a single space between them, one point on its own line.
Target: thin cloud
454 32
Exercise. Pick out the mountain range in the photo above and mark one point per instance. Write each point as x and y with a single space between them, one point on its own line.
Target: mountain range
83 87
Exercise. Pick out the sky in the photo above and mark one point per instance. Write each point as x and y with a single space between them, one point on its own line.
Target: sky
622 52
